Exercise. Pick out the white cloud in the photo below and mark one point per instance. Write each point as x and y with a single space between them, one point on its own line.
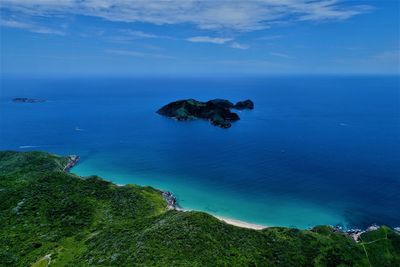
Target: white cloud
210 15
281 55
218 40
207 39
323 10
131 53
139 34
270 38
29 27
239 46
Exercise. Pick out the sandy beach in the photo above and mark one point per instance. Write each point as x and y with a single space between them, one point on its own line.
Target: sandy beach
241 223
233 221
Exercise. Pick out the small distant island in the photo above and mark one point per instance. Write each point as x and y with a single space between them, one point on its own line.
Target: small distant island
217 111
27 100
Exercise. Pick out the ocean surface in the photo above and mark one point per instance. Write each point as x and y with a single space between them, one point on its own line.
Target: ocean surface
315 150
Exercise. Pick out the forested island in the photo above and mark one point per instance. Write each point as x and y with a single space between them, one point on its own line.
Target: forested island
217 111
49 216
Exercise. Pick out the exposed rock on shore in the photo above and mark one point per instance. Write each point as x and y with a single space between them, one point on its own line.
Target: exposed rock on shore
356 234
170 199
72 161
217 111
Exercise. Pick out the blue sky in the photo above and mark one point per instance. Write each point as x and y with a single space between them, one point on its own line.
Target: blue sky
177 37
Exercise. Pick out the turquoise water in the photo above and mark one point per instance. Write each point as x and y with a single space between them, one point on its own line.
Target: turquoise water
315 150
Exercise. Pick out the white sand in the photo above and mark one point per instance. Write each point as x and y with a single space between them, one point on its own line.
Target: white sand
233 221
241 223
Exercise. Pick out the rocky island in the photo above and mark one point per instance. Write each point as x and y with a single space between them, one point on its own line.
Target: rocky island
217 111
27 100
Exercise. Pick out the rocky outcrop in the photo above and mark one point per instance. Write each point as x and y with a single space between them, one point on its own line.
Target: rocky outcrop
170 199
356 234
72 161
247 104
217 111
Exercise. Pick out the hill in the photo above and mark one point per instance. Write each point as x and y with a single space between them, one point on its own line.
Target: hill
52 218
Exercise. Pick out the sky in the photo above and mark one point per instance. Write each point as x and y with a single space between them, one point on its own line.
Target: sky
178 37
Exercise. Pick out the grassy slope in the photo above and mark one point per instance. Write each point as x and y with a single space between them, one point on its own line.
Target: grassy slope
47 215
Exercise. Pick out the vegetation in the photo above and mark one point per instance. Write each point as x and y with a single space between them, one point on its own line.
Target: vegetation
217 111
49 217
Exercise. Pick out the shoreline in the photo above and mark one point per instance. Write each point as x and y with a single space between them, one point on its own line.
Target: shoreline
239 223
172 204
72 161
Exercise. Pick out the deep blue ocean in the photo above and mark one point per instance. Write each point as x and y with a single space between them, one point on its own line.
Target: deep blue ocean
315 150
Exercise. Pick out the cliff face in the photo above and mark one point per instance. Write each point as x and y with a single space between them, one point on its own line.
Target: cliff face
48 215
217 111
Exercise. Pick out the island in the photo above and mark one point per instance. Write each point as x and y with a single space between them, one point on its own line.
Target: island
27 100
247 104
217 111
50 216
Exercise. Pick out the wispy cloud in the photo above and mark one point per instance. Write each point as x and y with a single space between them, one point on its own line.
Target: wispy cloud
207 39
139 34
281 55
251 64
237 45
209 15
131 53
393 55
218 40
330 9
29 27
270 38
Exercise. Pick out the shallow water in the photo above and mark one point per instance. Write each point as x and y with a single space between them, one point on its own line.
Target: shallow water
315 150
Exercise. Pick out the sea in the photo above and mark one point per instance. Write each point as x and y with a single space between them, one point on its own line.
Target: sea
315 150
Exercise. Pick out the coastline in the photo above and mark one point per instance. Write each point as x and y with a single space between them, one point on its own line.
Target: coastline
172 204
239 223
72 161
200 195
134 218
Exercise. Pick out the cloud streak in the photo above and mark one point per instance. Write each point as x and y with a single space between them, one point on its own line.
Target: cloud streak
208 15
270 38
393 56
207 39
29 27
281 55
139 34
237 45
131 53
219 41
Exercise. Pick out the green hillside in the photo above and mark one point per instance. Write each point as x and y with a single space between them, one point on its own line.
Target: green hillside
49 217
